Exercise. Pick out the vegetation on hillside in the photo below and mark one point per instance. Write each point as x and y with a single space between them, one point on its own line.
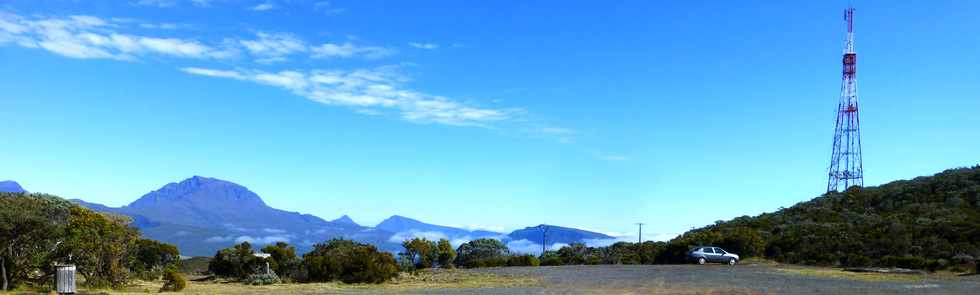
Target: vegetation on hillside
927 222
38 231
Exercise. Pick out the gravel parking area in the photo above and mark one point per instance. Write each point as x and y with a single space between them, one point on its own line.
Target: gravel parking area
715 279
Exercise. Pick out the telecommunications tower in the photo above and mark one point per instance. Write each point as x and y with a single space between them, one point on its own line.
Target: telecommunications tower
846 169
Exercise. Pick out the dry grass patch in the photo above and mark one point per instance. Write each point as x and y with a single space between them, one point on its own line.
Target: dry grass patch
458 279
405 282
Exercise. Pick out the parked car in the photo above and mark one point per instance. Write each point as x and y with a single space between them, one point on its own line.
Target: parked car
705 254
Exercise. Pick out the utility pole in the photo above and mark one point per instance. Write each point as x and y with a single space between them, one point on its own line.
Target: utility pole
639 238
544 238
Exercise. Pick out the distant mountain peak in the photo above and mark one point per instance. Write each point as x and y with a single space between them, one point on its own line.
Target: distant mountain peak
556 234
344 219
10 186
202 191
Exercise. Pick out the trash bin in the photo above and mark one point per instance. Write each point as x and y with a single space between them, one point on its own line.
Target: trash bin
65 282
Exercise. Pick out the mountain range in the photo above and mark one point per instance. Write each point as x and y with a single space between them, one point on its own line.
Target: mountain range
202 215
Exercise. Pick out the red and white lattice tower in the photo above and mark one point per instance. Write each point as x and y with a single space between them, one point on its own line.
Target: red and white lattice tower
846 169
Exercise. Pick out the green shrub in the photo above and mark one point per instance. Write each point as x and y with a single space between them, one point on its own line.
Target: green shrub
912 262
962 258
235 262
283 261
349 262
523 260
550 258
173 281
498 261
856 260
262 279
482 253
148 275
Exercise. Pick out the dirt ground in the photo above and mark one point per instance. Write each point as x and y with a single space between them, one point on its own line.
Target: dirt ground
613 279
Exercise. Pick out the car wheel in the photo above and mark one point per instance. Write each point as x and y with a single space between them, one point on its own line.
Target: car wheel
701 260
732 261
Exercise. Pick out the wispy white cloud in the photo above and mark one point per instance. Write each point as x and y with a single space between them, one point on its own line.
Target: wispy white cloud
610 157
379 90
326 7
493 228
92 37
158 3
163 26
256 240
268 5
273 47
202 3
219 239
423 45
524 246
559 134
172 3
348 49
411 234
215 73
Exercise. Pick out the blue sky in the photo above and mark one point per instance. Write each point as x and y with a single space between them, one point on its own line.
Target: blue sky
481 114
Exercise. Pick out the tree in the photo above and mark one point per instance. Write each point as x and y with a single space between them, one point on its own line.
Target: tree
153 256
103 246
446 254
550 258
236 262
573 254
349 262
283 259
422 252
481 253
31 226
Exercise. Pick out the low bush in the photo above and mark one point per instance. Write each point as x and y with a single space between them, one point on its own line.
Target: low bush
486 262
236 262
962 258
550 258
349 262
911 262
173 281
482 253
523 260
856 260
262 279
148 275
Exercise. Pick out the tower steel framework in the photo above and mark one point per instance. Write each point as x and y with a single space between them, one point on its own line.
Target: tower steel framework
846 168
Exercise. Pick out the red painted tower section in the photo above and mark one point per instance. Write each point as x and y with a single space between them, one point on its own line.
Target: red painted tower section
846 168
